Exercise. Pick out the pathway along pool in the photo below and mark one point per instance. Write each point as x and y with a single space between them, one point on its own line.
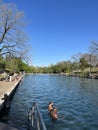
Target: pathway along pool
75 98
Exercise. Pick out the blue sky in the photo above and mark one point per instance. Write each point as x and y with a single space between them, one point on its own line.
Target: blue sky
58 29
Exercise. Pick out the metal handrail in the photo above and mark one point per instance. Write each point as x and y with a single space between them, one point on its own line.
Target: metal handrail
35 117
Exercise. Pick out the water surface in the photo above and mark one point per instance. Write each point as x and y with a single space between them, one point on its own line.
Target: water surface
76 100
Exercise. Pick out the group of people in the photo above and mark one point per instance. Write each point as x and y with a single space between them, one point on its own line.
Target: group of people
52 111
12 76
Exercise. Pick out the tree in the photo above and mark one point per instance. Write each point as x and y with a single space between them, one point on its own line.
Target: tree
2 64
83 64
93 54
62 66
76 57
93 49
12 63
91 59
12 37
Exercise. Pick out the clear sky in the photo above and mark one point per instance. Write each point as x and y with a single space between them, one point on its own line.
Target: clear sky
59 29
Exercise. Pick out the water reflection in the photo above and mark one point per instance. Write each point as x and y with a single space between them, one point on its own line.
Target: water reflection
75 98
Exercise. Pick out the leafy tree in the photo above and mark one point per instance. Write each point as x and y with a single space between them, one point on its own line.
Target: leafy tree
62 66
2 64
11 64
75 66
56 69
83 63
33 69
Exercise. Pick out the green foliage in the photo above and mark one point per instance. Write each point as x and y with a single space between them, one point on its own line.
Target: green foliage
12 65
15 64
83 63
61 67
2 64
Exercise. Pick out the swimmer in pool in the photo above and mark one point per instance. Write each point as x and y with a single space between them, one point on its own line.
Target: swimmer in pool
50 107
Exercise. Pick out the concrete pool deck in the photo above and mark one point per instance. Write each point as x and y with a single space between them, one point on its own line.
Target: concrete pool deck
7 87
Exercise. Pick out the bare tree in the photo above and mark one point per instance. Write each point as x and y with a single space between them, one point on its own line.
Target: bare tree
91 59
93 54
93 49
76 57
12 37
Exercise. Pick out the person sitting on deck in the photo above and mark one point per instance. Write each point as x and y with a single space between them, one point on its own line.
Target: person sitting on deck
7 100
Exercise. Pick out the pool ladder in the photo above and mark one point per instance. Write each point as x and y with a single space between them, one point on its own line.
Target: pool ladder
35 119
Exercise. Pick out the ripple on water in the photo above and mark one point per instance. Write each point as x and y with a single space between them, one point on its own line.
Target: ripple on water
75 99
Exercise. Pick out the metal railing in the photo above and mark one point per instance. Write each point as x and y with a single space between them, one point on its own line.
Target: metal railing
35 119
